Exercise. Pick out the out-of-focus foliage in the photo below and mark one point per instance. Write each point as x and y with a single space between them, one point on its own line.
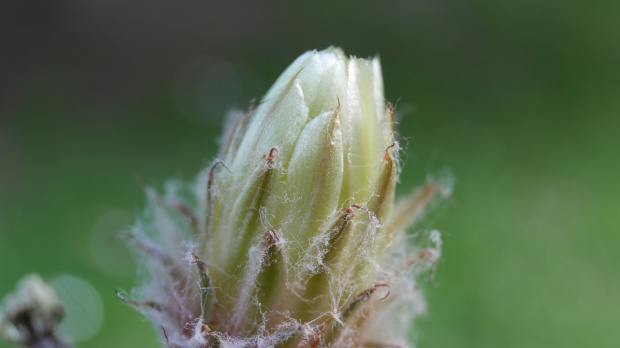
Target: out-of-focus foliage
518 99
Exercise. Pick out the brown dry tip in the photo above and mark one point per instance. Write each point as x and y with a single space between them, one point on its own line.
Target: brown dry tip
270 238
216 337
366 294
149 248
337 109
252 106
193 259
390 110
217 163
428 254
151 304
271 158
387 153
205 330
370 214
389 290
170 345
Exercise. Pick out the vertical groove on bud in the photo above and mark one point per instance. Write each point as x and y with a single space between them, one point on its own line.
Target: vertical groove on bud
205 284
277 122
273 275
361 132
314 178
211 200
235 127
383 196
328 253
244 224
258 259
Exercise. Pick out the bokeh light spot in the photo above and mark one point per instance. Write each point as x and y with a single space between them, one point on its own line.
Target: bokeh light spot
83 307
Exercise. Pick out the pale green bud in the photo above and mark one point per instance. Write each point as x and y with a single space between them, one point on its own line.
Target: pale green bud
294 232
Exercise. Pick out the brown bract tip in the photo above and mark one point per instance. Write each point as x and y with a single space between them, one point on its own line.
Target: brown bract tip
394 145
215 165
270 238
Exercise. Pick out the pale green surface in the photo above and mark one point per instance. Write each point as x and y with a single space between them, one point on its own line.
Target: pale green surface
519 99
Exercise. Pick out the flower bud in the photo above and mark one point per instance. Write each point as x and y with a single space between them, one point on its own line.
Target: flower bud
30 316
292 241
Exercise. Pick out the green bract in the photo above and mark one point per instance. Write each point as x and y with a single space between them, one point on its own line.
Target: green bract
293 240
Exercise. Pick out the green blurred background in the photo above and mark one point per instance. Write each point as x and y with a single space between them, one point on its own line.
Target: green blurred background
519 99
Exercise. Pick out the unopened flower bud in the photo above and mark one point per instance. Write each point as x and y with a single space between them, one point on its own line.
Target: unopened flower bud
30 316
293 240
